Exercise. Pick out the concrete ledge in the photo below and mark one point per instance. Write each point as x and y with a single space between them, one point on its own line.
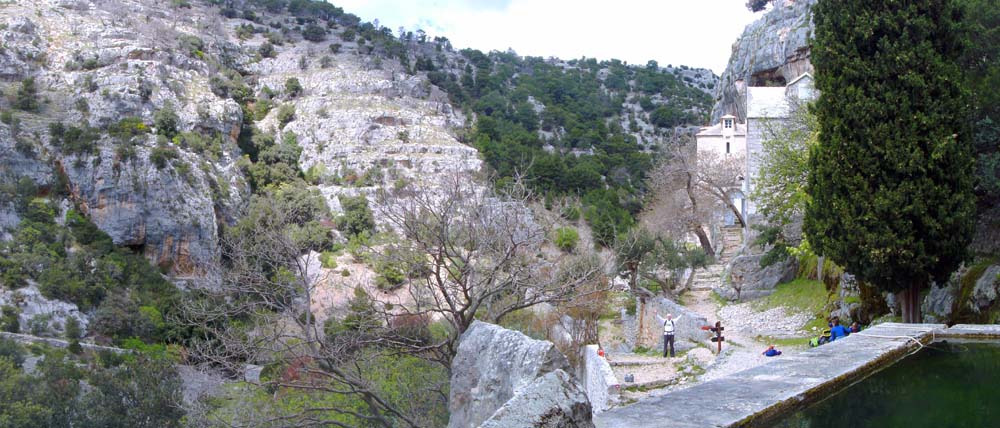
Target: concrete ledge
972 331
759 396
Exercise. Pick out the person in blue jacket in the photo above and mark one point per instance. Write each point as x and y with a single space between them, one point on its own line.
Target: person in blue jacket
838 331
771 352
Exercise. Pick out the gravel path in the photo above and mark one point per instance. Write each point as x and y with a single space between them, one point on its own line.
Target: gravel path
777 322
742 349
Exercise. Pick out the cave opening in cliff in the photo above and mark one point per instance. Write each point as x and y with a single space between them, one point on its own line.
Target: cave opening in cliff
768 78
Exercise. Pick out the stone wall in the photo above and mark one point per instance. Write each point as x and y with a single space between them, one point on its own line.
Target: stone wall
599 381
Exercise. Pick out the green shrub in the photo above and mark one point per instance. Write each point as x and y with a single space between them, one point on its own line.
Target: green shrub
567 238
72 329
267 50
328 259
165 120
27 96
127 128
570 213
286 113
357 218
292 87
314 33
162 155
192 45
9 321
12 351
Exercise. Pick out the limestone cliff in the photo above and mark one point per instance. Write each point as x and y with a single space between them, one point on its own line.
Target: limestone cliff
95 63
771 51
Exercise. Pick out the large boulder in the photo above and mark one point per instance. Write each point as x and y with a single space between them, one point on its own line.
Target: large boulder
856 301
494 365
551 401
747 280
47 315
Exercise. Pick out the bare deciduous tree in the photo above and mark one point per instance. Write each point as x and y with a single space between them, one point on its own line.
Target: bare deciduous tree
483 255
480 259
690 188
677 206
720 177
259 314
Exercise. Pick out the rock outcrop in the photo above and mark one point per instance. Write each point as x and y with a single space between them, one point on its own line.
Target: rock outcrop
771 52
504 378
96 63
37 312
978 286
551 401
747 280
856 301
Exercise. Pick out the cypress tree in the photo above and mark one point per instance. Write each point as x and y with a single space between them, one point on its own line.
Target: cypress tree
891 178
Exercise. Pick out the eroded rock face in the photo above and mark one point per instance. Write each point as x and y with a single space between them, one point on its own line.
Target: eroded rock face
753 281
52 313
772 51
940 304
358 118
551 401
495 367
95 63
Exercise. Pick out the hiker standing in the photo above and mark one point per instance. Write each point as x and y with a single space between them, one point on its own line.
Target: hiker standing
668 332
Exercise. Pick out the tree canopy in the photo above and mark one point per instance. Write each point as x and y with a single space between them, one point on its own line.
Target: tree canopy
890 181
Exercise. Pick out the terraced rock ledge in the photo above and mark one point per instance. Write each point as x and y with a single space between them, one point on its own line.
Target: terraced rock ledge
759 396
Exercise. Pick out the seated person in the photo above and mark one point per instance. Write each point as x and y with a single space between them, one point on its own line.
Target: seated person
855 327
771 352
838 331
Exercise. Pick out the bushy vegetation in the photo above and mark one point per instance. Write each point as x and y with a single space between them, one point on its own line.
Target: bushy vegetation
111 391
566 238
357 218
607 166
87 276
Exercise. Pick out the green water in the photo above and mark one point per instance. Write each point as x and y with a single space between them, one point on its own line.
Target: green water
953 384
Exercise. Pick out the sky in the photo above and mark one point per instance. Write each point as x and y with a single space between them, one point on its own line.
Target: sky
696 33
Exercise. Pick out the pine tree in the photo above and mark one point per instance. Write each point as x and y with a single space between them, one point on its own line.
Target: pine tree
891 178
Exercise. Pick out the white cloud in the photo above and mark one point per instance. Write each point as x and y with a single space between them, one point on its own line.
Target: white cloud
697 33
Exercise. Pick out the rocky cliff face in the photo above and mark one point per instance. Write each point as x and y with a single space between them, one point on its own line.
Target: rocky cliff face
771 52
97 62
360 116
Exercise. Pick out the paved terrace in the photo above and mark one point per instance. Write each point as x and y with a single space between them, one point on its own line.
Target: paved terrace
759 396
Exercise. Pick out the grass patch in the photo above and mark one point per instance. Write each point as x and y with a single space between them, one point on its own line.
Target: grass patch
802 295
785 342
718 299
807 296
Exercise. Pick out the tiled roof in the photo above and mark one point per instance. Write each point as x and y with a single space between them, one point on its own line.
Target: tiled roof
713 131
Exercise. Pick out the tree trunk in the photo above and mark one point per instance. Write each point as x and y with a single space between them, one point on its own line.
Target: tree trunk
909 302
706 244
